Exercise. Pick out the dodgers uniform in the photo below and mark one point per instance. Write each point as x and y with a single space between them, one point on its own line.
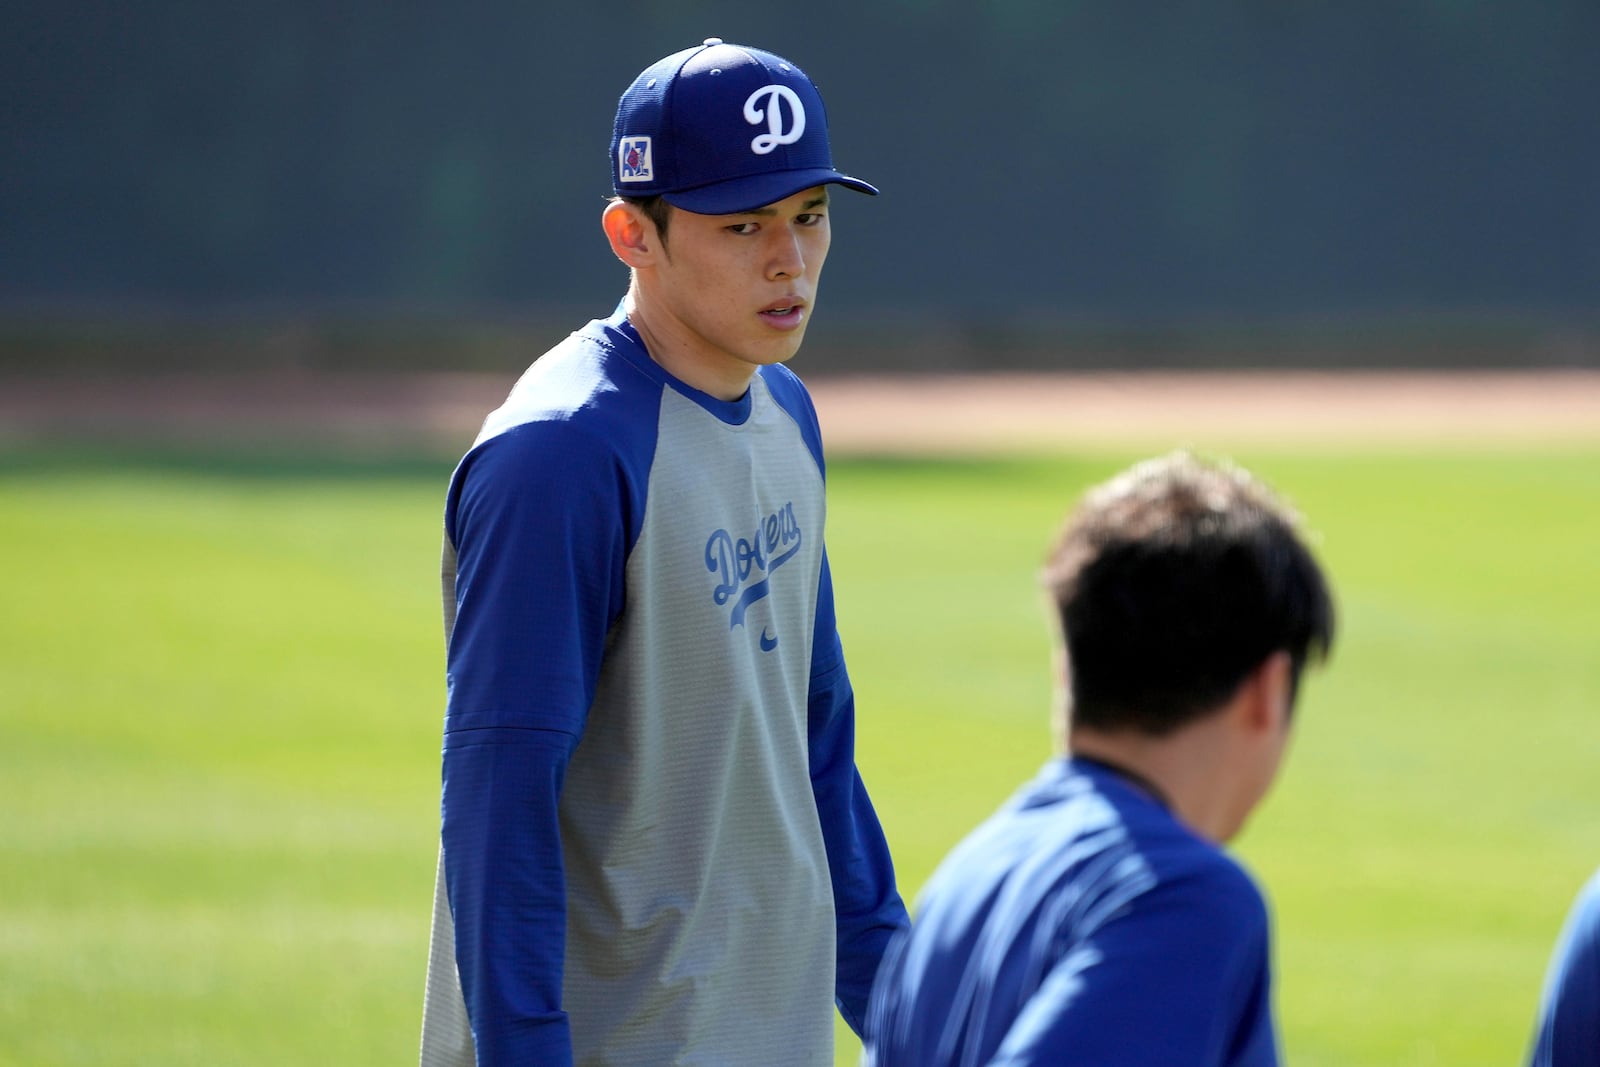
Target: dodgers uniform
655 845
1568 1033
1081 924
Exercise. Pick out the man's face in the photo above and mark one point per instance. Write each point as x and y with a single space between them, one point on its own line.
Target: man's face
738 290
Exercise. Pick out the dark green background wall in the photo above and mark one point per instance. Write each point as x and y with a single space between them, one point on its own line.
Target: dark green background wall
1388 182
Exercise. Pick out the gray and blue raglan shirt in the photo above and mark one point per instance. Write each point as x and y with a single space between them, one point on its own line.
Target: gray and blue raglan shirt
655 845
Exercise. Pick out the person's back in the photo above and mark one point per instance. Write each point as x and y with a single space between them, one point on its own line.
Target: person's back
1093 920
1081 866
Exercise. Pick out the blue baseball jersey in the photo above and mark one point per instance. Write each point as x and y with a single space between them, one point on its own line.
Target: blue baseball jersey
655 845
1568 1031
1081 924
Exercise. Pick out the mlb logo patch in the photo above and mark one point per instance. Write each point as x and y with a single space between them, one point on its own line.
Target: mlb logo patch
633 160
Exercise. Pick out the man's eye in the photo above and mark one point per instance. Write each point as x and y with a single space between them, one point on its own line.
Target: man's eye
743 229
810 218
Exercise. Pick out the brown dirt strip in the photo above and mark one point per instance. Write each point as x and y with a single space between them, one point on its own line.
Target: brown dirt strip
1211 409
902 414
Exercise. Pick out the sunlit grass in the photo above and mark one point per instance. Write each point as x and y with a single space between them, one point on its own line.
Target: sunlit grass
220 699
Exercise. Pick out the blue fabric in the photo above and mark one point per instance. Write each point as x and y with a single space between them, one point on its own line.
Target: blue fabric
505 877
1568 1030
867 907
1081 924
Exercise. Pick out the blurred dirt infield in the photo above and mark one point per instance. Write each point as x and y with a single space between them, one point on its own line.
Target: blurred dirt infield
904 414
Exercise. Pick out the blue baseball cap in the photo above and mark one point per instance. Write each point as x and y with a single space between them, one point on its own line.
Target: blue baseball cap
721 128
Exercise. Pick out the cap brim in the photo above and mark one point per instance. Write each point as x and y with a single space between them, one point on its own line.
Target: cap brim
759 190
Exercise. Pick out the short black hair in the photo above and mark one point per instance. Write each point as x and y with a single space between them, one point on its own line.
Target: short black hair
656 209
1173 581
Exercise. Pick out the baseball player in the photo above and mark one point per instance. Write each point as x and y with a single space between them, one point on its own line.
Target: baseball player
655 845
1093 920
1568 1030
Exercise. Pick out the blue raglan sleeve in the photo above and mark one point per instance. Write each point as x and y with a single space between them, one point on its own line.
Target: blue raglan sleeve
1180 979
867 905
1568 1029
537 518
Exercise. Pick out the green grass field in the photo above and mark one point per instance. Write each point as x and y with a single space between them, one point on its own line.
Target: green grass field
220 700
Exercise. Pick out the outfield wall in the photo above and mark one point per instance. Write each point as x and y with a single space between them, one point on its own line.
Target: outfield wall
348 183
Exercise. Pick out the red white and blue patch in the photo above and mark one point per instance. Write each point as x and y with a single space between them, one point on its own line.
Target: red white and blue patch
633 160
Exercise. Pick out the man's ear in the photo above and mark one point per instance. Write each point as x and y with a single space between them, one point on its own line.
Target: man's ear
631 233
1271 688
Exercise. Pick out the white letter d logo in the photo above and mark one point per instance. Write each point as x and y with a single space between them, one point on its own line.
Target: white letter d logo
755 111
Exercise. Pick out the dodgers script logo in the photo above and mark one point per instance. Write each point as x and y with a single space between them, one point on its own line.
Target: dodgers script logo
735 561
763 104
633 160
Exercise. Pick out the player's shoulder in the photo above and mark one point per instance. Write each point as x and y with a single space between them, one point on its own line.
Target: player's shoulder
582 420
593 385
794 399
1185 865
1209 880
779 376
788 390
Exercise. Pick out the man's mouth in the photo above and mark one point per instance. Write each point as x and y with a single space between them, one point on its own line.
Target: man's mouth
787 314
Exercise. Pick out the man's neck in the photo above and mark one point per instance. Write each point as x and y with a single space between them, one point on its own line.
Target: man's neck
666 344
1177 769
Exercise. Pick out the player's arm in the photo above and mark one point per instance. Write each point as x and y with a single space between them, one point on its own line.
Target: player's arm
538 580
1180 979
866 903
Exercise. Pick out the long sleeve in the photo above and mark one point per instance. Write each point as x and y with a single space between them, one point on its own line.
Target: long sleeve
539 535
867 906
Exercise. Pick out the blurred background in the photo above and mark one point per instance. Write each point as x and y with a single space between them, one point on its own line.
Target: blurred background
359 183
264 268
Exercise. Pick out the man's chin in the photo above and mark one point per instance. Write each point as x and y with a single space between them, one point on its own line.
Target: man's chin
777 353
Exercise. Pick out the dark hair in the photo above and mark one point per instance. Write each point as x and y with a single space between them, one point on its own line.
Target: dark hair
656 209
1174 581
